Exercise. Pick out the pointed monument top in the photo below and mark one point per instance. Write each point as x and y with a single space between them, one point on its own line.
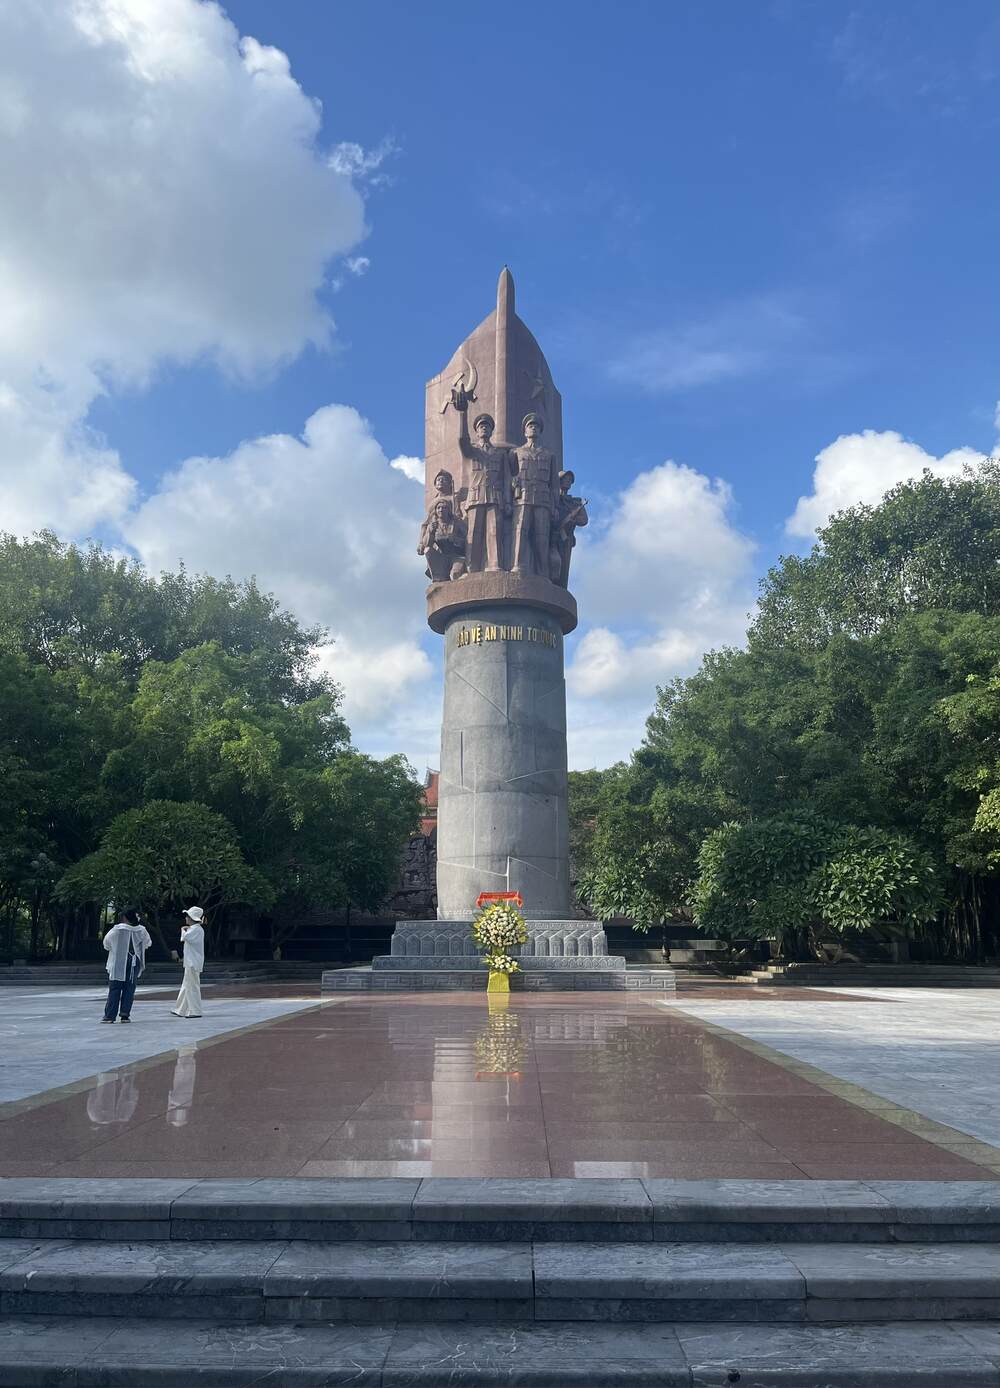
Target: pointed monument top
503 366
504 335
505 294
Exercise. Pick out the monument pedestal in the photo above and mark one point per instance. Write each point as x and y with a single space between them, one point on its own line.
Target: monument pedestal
560 955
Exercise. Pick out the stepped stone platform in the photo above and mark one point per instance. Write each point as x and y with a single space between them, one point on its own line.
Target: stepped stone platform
396 1283
441 955
93 973
850 975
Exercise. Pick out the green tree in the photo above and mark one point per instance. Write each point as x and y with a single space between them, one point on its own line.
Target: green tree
792 877
162 858
67 607
930 543
118 690
867 694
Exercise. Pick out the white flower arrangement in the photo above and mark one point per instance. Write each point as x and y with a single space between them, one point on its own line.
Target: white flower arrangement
496 929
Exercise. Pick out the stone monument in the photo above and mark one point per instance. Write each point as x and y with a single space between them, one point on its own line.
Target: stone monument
502 813
498 537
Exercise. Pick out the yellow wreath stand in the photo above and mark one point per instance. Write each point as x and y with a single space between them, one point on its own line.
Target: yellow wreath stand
498 982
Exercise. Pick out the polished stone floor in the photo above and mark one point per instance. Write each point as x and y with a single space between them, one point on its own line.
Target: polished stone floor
51 1038
933 1050
438 1085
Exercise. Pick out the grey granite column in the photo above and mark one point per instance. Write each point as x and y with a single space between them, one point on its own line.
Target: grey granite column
502 807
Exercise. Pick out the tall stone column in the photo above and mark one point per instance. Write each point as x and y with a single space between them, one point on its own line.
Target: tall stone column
494 449
502 807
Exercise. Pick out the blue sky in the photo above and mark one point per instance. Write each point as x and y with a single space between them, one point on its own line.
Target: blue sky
740 232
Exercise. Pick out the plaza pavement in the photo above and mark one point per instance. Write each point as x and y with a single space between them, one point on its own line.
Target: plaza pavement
933 1051
719 1084
51 1038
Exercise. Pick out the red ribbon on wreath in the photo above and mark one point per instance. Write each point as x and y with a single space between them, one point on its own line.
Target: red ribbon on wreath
484 897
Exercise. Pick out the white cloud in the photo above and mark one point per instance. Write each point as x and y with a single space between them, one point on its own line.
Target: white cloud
669 561
413 468
362 164
862 468
324 522
165 199
742 339
665 579
358 264
53 471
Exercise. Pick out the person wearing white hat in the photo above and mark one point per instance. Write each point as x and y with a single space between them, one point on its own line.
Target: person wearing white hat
193 939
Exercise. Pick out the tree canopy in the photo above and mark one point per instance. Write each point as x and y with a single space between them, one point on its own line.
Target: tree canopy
868 694
128 702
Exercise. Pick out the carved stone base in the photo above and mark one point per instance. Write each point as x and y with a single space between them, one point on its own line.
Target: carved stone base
473 980
575 941
433 956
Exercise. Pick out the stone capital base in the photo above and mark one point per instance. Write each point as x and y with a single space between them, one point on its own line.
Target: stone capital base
447 600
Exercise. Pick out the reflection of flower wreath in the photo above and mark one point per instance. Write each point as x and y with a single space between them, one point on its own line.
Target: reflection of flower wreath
496 929
500 1049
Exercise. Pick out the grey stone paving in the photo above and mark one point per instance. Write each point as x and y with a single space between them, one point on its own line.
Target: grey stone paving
403 1269
50 1038
850 1356
442 1209
501 1283
101 1353
665 1271
933 1050
436 1356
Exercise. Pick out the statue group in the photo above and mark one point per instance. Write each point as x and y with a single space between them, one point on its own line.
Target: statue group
517 514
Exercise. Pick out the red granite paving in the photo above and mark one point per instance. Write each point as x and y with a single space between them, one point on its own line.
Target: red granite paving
556 1085
686 987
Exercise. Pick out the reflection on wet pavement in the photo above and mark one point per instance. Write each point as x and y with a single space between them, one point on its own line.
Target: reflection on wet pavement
557 1085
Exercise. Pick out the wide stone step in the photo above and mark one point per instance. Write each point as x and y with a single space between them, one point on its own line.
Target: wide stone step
476 1210
133 1353
500 1283
875 976
159 973
536 976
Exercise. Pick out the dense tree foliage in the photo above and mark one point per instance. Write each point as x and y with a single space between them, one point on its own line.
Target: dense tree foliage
163 856
128 702
794 876
868 695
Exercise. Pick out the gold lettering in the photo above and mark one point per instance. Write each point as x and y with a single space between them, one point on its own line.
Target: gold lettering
468 636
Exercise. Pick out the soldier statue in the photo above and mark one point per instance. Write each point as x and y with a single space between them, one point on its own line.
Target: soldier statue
442 541
571 512
487 502
536 496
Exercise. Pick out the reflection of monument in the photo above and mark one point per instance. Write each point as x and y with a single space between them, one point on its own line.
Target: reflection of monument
503 608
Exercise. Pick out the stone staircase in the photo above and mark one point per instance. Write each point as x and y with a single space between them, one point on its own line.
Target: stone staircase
850 975
91 973
555 1284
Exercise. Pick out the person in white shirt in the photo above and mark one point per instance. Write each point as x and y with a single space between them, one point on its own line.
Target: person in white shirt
126 943
193 939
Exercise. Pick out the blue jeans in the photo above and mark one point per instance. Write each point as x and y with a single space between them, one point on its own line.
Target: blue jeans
120 994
